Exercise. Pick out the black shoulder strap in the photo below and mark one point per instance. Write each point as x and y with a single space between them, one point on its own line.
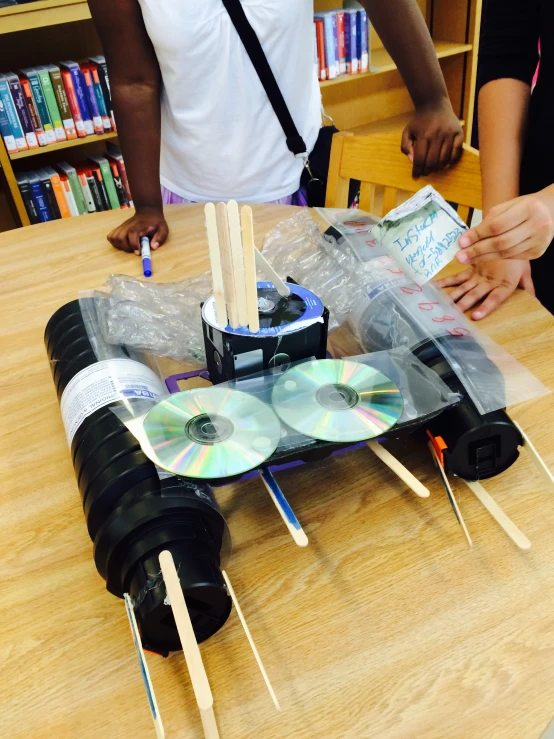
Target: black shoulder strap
295 142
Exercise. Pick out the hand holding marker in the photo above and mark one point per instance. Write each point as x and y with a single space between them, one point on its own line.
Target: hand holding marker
145 255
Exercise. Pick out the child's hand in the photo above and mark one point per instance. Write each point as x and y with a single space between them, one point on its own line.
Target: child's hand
433 139
519 229
492 281
146 222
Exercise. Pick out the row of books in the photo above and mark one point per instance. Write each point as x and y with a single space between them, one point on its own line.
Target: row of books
341 42
100 183
43 105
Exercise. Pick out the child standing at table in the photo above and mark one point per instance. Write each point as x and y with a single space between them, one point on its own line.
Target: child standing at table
193 115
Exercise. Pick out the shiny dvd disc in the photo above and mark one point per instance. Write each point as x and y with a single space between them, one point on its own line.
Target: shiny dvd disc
336 400
210 433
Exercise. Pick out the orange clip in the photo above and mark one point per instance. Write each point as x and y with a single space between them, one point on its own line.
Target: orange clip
439 444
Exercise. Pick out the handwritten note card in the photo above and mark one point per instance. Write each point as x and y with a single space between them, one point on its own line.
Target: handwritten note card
422 234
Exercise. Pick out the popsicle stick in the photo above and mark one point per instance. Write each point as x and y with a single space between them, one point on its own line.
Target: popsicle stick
536 458
250 639
249 257
227 264
215 262
238 261
517 536
393 464
282 505
449 492
271 274
193 658
160 733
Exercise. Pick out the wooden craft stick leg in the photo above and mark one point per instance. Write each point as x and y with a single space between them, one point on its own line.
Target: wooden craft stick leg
250 639
215 262
249 257
282 505
227 264
449 492
538 461
393 464
271 274
160 733
517 536
238 261
193 658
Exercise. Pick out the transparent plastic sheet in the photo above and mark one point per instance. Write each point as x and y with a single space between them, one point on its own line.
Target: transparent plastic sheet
385 311
160 319
423 394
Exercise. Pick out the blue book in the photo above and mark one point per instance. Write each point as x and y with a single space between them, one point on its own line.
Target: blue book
6 130
363 40
351 42
88 86
13 119
331 42
78 85
40 103
39 197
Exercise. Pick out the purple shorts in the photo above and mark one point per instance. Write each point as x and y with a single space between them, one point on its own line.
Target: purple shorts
298 198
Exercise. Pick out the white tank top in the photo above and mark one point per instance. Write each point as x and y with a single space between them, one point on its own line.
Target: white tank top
220 136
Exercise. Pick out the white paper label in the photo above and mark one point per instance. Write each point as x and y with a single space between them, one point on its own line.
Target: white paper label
104 383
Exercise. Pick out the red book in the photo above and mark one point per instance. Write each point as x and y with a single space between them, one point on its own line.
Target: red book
73 103
33 112
342 45
118 159
320 33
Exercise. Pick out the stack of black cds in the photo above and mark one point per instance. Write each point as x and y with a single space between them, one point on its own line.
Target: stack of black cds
132 511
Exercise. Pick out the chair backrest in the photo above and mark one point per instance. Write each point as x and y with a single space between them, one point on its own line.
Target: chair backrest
376 160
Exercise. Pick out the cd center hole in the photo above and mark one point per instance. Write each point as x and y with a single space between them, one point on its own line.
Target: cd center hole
209 429
337 395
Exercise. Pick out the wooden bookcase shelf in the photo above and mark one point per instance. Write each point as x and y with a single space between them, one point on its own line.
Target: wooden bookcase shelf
43 31
61 145
41 14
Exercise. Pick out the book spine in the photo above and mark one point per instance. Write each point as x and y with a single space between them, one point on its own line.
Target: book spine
340 42
109 183
93 186
332 61
106 90
100 99
125 180
9 107
92 101
40 200
50 97
118 184
50 196
33 112
63 103
68 192
364 42
354 31
97 174
86 192
22 111
28 202
78 85
6 130
336 42
76 190
323 71
73 103
42 108
59 192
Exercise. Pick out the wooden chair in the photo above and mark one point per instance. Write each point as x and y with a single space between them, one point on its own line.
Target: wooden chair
376 160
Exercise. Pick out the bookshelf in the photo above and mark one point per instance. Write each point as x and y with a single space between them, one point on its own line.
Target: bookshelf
48 30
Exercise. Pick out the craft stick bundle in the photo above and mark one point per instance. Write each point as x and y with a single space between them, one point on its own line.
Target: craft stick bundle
234 259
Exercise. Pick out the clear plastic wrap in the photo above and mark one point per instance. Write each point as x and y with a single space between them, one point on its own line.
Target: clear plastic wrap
424 395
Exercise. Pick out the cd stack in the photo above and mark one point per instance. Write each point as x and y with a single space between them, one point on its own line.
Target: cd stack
133 512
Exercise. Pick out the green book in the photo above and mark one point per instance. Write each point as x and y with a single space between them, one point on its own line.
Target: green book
108 181
63 103
75 186
42 108
50 98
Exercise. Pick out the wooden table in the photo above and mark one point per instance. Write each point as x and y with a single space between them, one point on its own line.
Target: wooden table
385 626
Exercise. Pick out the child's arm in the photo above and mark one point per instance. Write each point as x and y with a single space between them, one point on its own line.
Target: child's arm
135 92
434 138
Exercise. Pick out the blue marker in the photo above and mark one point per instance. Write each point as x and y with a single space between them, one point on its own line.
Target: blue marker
145 254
